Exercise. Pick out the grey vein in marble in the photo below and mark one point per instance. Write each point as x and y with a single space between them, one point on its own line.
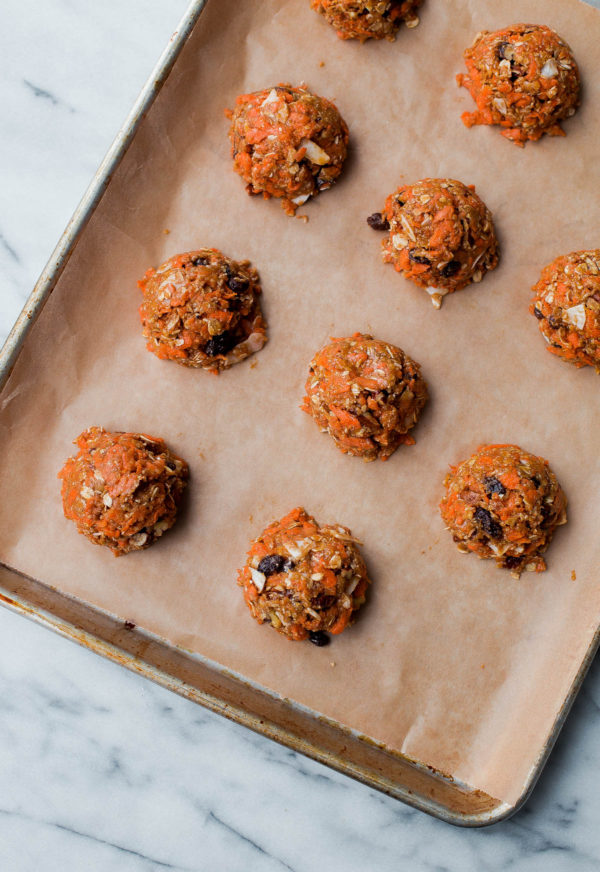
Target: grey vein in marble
40 92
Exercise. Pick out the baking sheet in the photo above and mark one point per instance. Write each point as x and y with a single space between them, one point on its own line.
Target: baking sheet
452 662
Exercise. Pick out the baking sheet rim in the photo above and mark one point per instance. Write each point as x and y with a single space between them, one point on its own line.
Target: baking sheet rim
8 356
266 727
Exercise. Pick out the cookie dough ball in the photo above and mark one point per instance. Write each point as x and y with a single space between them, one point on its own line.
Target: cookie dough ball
306 580
366 394
288 143
523 78
440 235
122 490
504 503
202 309
567 306
368 19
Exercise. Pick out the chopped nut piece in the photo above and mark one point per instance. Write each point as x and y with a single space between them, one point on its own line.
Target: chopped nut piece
258 579
160 527
351 587
270 98
314 152
549 69
576 316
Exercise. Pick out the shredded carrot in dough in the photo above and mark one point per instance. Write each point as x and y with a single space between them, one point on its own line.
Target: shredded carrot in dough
287 143
504 503
303 578
523 78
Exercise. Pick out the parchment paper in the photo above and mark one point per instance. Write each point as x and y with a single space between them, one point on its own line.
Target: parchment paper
452 662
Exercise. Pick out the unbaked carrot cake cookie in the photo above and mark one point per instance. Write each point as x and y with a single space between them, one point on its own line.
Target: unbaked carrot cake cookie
202 309
367 394
122 490
504 503
523 78
567 307
439 234
368 19
303 578
287 143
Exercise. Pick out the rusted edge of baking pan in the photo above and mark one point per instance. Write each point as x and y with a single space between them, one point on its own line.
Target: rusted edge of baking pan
248 703
192 675
222 691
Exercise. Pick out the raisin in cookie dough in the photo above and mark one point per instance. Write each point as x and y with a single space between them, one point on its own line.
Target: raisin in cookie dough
504 503
523 78
567 307
366 394
287 143
368 19
304 579
202 309
122 490
440 235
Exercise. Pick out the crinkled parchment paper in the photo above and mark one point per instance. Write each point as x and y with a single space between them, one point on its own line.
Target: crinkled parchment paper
452 661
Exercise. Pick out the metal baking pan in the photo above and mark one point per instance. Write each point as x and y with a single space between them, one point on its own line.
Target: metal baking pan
200 678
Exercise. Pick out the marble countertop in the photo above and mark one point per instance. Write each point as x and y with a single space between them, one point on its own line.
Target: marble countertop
100 769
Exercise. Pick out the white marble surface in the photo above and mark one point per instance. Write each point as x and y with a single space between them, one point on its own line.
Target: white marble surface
100 769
